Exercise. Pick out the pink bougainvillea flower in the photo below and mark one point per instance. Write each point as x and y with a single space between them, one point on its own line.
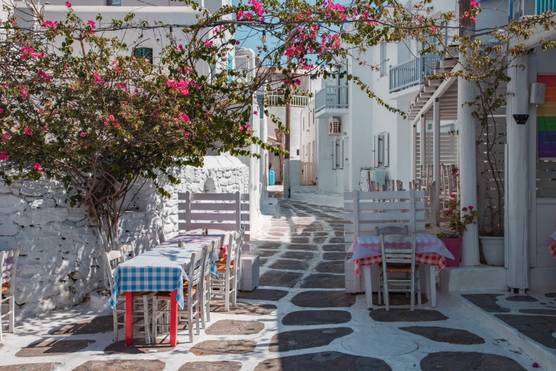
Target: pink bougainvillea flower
245 127
208 44
44 75
38 167
92 25
49 24
98 78
6 136
82 134
28 52
28 131
2 110
183 117
4 156
23 92
182 86
68 4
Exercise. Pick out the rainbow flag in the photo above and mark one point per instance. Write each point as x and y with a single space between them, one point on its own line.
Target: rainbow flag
546 119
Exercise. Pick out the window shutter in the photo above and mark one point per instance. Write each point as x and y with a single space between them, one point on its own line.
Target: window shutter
386 149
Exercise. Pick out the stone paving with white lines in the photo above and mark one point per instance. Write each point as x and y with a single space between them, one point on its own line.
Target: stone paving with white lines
299 319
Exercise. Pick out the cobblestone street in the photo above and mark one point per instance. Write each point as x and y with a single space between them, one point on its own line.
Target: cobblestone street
299 319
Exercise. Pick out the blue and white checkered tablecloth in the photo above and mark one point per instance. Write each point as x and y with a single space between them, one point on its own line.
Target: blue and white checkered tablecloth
162 269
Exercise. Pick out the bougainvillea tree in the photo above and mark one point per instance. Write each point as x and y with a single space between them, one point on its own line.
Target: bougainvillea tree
77 106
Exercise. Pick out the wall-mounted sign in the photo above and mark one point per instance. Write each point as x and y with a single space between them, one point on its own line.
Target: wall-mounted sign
546 120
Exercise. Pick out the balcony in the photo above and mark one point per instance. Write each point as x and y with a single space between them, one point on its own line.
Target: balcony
520 8
331 98
412 73
543 6
277 100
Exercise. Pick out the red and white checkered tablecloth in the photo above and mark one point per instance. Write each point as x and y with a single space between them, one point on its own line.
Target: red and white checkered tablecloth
430 250
552 244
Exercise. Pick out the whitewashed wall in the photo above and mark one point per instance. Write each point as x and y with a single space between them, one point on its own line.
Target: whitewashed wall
59 262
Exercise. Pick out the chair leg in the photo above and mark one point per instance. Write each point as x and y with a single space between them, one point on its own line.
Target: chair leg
227 295
418 281
11 326
412 300
146 322
367 281
115 324
386 293
190 321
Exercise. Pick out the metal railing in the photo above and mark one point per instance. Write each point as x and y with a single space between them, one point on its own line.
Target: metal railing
412 72
542 6
276 100
331 97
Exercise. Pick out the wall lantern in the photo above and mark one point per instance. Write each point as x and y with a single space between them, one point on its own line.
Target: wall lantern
521 119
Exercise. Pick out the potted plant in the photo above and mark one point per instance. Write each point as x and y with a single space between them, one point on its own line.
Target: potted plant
458 220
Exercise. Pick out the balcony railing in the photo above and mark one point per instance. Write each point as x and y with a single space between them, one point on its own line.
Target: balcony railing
276 100
545 6
412 73
331 97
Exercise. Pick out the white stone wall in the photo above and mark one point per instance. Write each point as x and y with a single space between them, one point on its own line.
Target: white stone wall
59 260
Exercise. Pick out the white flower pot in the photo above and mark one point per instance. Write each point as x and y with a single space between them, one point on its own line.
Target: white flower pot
493 250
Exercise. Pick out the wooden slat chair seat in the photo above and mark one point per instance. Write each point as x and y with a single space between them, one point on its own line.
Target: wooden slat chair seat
8 264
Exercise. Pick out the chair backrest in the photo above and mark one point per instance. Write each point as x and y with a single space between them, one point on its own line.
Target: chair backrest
232 259
196 267
396 244
206 259
8 264
112 259
367 211
220 211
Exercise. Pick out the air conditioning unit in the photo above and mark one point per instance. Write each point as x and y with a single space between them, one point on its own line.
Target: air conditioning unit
334 126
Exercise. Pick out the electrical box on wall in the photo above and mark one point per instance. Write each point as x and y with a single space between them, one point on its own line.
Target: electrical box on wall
538 92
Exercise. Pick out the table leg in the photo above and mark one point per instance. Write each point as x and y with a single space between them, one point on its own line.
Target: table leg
173 319
129 318
367 280
432 285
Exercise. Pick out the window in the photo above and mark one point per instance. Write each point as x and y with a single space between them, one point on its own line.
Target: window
146 53
337 154
383 59
113 2
382 150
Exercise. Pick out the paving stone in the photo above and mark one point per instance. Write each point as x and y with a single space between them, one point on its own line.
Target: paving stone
445 334
262 294
316 317
336 247
467 361
323 299
538 328
265 253
243 308
330 361
234 327
399 298
208 347
279 278
406 315
269 245
92 326
31 367
122 364
138 347
550 294
297 247
296 265
211 366
334 266
320 234
521 298
319 239
486 302
542 311
52 347
303 339
300 240
323 281
302 255
337 239
334 256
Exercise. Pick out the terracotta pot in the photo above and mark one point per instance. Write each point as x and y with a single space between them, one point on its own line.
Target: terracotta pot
454 245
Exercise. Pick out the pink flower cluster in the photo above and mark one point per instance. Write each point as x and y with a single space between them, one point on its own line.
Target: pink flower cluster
49 24
91 24
98 78
43 75
27 52
474 5
257 9
4 156
181 86
38 167
184 117
6 136
112 121
245 127
28 131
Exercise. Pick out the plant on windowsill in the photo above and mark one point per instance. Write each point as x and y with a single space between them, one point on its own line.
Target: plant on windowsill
458 220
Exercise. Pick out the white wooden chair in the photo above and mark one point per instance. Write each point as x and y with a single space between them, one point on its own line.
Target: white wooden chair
205 286
8 263
398 262
192 296
225 286
367 211
113 258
